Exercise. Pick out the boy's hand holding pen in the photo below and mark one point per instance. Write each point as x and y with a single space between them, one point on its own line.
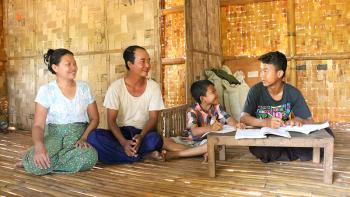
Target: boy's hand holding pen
275 123
215 125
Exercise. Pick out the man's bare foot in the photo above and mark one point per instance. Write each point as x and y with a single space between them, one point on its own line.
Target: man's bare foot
19 164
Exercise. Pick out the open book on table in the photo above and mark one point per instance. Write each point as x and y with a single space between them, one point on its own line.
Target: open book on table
225 129
282 131
307 128
260 133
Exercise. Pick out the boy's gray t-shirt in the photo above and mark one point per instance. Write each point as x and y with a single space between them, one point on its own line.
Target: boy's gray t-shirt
261 105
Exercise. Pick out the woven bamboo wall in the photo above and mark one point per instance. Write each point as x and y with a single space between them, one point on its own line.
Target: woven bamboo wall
202 50
174 84
327 92
96 31
322 48
202 38
173 52
252 29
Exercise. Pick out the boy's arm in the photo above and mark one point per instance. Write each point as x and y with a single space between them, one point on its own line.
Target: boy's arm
252 121
247 119
231 121
199 131
234 123
299 121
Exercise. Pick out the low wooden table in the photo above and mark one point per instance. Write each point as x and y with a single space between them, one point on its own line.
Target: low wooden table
316 140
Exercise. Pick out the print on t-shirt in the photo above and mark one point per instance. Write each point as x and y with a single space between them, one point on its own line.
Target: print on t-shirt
281 111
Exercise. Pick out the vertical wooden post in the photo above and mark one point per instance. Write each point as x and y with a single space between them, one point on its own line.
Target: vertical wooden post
328 163
211 156
316 155
291 40
189 49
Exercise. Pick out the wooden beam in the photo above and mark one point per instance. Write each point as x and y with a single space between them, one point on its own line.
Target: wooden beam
206 52
175 9
324 56
173 61
291 40
241 2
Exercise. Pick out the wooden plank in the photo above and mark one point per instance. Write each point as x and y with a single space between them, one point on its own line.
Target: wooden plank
240 175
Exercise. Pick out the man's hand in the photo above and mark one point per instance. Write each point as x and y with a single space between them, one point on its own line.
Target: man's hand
138 140
294 122
274 123
128 146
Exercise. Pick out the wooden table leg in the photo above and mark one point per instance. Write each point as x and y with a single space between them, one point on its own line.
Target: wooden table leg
316 155
222 153
211 156
328 163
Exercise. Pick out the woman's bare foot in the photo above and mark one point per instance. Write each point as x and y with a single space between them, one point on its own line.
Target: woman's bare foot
19 164
23 152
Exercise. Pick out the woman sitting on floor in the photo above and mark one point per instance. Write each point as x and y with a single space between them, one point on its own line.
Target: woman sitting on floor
66 112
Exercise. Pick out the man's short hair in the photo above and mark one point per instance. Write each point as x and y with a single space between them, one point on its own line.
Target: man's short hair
129 54
275 58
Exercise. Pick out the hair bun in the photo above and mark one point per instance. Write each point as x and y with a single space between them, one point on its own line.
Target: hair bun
47 56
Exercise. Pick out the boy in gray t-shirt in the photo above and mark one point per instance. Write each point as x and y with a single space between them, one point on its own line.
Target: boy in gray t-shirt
271 103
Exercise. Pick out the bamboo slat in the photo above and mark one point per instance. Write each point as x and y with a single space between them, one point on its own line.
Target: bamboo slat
240 175
171 122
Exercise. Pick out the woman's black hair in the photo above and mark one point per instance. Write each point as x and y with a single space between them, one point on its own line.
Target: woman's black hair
129 54
199 88
53 56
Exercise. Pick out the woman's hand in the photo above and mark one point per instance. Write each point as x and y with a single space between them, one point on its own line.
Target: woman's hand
82 143
41 157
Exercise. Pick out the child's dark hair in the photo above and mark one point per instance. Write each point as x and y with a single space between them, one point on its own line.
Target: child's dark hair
275 58
53 56
199 88
129 54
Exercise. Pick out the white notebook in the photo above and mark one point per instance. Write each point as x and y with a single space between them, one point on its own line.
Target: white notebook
260 133
307 128
225 129
282 131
